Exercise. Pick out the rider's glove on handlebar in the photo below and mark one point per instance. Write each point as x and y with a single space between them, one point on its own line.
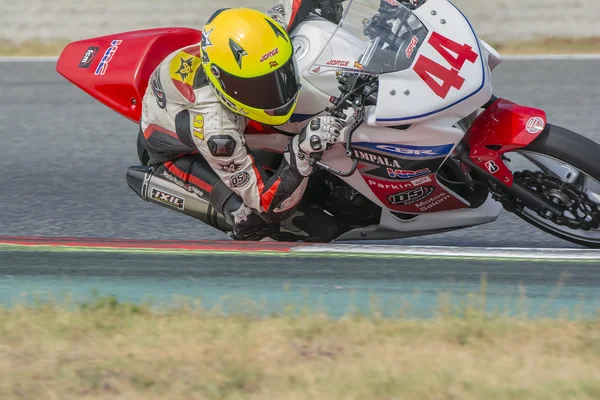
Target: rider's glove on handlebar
318 136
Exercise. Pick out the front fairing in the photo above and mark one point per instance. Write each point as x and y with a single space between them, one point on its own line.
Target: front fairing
416 81
435 85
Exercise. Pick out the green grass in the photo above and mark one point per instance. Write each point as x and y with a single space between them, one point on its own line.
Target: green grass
105 349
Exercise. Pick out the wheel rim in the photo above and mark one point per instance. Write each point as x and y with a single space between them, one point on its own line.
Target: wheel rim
568 187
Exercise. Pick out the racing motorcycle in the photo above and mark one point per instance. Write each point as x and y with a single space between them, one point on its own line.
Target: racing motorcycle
430 149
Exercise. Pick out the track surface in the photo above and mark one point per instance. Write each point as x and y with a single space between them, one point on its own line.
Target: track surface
63 157
218 273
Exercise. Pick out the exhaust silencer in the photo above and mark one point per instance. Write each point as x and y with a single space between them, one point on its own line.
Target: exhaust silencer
158 190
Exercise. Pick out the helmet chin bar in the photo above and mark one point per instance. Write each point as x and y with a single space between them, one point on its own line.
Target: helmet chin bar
285 109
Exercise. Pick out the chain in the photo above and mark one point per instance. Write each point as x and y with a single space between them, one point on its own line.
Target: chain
585 213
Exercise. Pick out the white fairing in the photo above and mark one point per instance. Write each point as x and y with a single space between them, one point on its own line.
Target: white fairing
404 99
319 84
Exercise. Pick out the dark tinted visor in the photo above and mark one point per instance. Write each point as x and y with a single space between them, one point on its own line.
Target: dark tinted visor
267 92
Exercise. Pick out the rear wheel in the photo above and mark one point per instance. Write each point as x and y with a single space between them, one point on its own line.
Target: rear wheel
562 166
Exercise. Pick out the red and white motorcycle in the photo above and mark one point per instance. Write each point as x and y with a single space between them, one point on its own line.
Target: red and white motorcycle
432 150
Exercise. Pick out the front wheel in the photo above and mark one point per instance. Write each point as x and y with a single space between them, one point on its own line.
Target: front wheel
565 171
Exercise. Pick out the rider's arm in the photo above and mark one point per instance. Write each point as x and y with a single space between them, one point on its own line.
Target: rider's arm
222 144
289 13
285 12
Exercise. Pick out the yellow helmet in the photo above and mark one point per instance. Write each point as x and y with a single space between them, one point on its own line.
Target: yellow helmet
248 59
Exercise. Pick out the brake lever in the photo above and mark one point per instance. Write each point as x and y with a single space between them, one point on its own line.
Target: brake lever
315 159
337 171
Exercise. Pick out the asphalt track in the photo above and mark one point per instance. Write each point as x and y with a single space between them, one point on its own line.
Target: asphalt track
63 157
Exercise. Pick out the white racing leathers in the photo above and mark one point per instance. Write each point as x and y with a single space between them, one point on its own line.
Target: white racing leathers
182 117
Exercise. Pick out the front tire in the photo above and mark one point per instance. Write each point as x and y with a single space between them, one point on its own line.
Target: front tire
581 173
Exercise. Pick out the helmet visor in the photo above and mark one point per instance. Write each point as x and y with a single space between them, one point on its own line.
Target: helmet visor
268 92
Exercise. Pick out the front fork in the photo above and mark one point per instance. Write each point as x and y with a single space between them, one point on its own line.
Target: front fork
512 197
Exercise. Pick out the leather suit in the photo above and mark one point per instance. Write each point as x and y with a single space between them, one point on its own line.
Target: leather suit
187 135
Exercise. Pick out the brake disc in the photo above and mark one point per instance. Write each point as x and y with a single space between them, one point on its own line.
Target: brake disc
580 212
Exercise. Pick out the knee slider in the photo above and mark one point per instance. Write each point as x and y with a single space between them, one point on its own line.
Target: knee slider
221 145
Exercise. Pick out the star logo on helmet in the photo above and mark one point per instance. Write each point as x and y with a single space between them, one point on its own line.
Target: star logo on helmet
238 52
277 31
185 69
206 37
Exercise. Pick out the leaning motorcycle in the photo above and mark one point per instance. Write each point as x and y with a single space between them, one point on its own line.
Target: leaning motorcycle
432 149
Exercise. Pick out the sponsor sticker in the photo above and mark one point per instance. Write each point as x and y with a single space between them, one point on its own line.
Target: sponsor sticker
273 64
168 199
182 185
270 54
421 181
390 185
433 202
108 55
411 196
377 159
338 63
410 151
199 126
535 125
88 57
240 179
492 166
182 70
406 174
231 167
411 46
185 67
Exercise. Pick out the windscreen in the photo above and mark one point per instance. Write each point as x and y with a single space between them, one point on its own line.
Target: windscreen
388 33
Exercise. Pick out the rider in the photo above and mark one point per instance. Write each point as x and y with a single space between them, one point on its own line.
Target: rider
199 101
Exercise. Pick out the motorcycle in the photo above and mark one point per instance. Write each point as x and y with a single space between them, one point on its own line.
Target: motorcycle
431 149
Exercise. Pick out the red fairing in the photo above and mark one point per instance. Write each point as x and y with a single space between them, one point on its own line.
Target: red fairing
503 127
115 69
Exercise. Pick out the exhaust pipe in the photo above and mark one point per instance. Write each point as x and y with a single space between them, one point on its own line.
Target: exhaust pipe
157 190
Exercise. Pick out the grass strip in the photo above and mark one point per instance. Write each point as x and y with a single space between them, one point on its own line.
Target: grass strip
107 350
538 46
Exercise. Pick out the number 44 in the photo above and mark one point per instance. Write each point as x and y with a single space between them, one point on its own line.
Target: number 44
428 69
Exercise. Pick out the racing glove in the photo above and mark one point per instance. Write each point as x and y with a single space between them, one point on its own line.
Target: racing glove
246 224
318 136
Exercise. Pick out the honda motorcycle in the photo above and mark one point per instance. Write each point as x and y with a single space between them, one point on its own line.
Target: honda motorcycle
430 148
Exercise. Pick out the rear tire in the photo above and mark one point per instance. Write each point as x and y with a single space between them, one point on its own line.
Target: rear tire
577 151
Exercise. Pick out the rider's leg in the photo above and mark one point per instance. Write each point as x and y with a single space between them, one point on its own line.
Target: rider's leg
194 173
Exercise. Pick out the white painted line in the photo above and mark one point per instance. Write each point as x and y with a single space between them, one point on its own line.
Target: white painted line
448 251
